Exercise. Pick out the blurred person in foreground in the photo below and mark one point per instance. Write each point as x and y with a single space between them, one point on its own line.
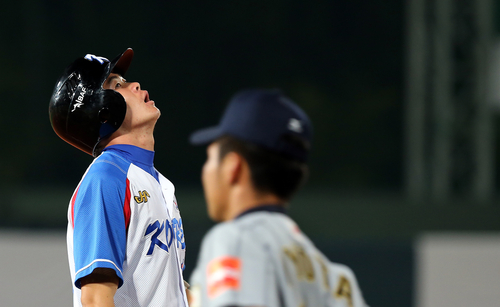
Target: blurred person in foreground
125 237
257 255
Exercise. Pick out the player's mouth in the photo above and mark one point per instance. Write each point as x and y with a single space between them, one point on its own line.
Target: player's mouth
147 100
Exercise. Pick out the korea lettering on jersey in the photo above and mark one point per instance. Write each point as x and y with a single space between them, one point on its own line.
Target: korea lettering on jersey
123 218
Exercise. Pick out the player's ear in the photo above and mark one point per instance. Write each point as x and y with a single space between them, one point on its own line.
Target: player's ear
232 167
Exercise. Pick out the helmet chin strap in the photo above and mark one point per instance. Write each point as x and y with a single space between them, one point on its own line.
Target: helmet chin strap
96 151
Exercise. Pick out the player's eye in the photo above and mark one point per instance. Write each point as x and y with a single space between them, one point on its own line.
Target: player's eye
118 85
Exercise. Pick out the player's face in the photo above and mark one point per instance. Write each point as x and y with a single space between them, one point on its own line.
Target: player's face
140 109
213 184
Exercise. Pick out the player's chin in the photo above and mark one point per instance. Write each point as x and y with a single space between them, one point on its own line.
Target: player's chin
215 215
154 116
210 211
157 112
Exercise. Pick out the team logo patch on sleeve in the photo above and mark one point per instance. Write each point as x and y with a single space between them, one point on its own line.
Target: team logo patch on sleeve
223 274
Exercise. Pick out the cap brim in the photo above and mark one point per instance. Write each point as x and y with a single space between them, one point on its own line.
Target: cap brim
121 63
205 136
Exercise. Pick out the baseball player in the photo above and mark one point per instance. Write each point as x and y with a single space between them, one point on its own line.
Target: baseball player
257 255
125 236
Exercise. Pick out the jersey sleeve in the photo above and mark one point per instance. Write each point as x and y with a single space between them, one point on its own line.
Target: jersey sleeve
233 270
99 234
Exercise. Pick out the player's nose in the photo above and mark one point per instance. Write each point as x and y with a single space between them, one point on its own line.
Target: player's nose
135 86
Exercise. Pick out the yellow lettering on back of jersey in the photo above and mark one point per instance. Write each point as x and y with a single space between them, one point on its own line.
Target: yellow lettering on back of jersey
302 262
344 290
324 271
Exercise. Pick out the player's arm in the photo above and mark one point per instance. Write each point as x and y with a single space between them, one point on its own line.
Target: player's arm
99 288
99 237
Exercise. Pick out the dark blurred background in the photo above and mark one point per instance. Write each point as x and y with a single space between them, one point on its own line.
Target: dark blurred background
372 75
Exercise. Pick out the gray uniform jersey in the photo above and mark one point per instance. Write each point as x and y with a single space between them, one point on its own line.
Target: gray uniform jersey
263 259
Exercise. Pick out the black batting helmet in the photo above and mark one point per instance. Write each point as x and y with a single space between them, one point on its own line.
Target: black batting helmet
81 111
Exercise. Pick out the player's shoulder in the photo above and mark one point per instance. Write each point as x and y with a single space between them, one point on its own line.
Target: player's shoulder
227 231
341 269
249 223
226 234
110 161
263 220
107 167
255 229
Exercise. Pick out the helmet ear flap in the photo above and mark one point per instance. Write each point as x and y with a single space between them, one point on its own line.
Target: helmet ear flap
112 110
110 115
103 115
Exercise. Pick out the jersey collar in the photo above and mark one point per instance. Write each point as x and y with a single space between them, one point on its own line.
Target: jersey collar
134 153
269 208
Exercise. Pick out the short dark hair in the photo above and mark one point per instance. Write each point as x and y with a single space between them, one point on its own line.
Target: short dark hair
271 172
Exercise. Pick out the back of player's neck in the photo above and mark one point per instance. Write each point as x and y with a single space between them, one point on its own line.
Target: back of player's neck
248 200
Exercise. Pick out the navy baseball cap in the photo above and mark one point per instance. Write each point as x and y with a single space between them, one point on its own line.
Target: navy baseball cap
264 117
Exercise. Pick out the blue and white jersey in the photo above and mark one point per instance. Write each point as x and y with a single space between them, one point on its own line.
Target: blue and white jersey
124 216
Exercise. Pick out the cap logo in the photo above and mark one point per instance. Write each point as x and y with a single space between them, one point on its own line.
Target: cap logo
79 99
295 125
100 59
